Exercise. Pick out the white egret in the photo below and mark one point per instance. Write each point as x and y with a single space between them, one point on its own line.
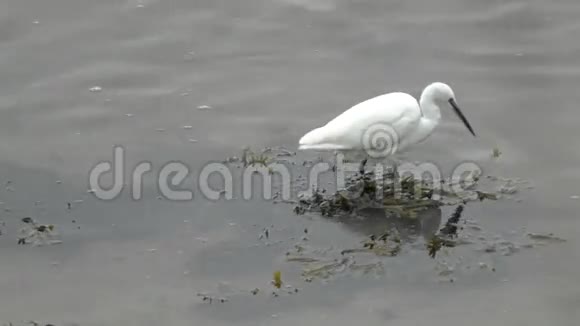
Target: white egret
385 125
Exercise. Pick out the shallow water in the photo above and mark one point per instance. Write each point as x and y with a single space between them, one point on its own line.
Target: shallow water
271 70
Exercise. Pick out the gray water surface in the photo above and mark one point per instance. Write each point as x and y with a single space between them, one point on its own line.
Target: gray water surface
272 70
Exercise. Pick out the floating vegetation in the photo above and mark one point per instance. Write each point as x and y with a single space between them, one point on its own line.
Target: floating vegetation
277 280
319 263
343 265
456 232
301 259
482 195
264 157
447 234
405 199
326 270
249 158
377 267
411 202
450 228
37 234
388 244
226 292
434 246
409 208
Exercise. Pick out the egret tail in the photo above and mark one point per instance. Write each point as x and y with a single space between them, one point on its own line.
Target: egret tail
319 139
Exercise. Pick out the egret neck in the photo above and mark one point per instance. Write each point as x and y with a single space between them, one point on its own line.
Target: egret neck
430 114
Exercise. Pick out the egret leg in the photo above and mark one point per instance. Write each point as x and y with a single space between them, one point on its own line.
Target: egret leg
394 166
362 166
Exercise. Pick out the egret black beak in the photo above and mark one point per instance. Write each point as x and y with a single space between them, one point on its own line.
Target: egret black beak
461 116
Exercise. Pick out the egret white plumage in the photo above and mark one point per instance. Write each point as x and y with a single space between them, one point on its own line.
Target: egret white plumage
385 125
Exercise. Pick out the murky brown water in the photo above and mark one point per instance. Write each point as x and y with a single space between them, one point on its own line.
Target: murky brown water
272 70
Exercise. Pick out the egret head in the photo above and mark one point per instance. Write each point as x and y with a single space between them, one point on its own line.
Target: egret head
442 94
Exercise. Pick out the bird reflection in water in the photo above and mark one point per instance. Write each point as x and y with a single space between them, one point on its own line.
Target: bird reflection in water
375 221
